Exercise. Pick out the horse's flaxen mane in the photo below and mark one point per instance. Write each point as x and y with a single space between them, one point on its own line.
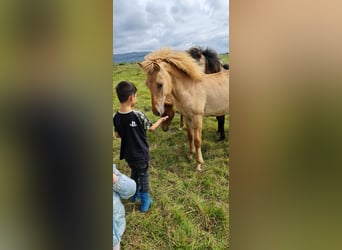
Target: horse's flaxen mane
179 59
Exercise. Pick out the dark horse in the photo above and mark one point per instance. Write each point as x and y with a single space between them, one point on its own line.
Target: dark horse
210 63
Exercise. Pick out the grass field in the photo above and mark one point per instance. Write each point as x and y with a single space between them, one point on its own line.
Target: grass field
190 209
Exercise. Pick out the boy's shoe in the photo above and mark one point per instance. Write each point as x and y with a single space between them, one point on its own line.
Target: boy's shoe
136 196
146 202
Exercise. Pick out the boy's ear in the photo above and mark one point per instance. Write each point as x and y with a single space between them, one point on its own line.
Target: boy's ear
131 97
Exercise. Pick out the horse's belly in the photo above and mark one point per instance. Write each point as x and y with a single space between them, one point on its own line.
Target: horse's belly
217 98
216 106
216 110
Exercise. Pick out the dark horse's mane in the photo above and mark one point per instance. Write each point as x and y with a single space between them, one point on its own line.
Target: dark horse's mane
213 63
195 52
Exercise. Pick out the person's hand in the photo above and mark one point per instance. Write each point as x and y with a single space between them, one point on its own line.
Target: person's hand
164 118
114 178
157 123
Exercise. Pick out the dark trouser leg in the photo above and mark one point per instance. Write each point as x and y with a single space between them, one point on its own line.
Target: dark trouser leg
135 177
140 174
134 174
143 178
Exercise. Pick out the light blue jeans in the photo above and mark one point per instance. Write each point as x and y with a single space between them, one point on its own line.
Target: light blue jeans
117 246
124 188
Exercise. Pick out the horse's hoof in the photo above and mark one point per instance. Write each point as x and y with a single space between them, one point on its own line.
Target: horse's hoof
189 156
198 168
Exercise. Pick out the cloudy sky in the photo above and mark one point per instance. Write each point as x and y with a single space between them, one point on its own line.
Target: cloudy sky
146 25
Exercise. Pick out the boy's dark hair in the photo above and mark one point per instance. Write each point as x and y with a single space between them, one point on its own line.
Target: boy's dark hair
125 89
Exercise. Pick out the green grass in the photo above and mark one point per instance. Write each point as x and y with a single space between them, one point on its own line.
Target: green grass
190 209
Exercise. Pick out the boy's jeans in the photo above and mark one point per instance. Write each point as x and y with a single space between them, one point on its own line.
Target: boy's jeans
139 173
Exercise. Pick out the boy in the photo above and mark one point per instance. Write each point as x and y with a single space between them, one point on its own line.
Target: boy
131 125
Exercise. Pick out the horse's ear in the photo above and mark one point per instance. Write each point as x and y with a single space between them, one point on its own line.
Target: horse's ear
144 66
149 66
156 66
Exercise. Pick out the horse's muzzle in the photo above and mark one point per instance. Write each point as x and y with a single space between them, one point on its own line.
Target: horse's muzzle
157 111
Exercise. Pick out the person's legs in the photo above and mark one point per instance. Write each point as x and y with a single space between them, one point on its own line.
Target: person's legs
117 246
135 177
143 177
143 182
134 173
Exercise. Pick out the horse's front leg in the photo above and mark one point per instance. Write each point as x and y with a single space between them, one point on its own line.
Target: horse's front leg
220 127
181 123
197 123
190 132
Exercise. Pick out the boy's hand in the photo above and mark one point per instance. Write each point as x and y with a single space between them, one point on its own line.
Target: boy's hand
114 178
164 118
155 125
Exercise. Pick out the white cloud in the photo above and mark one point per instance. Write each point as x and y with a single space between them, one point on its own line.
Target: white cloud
148 25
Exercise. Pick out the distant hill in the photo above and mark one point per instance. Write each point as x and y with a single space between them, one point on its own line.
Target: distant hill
129 57
134 57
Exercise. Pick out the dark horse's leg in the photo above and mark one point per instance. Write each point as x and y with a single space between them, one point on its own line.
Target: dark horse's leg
220 127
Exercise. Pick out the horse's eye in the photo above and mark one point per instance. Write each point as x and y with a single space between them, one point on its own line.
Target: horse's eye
159 85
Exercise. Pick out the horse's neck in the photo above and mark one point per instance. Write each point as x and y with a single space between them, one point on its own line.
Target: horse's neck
181 87
187 94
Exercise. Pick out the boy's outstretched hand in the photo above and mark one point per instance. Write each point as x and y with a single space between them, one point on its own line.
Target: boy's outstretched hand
157 123
164 118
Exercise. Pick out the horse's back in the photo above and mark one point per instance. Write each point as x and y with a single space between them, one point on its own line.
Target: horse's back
217 93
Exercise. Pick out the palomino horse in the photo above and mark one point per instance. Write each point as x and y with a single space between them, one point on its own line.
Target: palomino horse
196 94
210 63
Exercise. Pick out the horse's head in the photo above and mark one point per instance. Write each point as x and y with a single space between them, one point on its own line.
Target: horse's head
164 68
159 83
